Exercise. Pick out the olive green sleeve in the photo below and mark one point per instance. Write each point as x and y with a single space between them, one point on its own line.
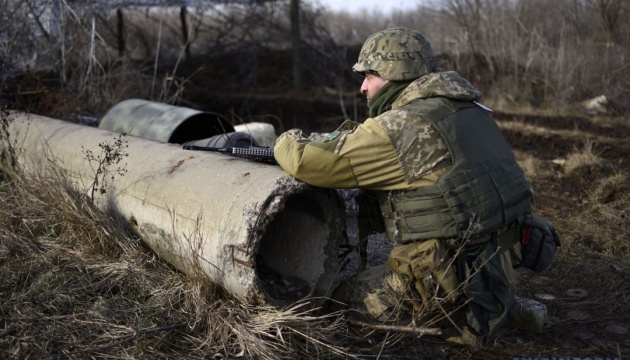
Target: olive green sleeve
362 156
314 162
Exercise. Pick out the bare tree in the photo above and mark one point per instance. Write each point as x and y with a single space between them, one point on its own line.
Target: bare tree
610 12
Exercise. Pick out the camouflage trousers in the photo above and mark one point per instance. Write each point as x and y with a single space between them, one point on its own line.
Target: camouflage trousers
416 280
374 294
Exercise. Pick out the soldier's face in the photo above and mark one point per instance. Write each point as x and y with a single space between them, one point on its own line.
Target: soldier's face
371 84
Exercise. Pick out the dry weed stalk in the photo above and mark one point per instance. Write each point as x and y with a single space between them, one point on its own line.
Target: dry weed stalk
101 164
269 333
8 156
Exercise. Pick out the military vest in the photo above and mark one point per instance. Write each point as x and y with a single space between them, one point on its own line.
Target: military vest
484 190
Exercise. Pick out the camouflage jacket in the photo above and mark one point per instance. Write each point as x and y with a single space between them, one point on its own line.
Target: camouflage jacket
389 152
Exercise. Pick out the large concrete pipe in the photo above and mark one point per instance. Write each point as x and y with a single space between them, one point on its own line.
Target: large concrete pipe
249 227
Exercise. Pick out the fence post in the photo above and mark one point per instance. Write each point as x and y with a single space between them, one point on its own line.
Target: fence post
294 15
182 14
121 32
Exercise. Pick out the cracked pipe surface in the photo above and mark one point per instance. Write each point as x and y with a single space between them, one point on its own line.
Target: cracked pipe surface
264 236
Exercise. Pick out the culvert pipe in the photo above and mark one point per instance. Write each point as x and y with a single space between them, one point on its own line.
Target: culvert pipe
249 227
163 122
264 133
177 124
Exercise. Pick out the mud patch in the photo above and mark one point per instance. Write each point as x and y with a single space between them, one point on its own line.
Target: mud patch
587 176
546 147
567 123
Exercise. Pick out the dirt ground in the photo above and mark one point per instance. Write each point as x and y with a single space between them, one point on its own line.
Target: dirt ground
588 315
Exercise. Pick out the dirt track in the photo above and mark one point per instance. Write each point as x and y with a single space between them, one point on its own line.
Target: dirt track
588 315
587 290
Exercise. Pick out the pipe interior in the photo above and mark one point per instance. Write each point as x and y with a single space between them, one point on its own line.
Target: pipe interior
200 126
295 250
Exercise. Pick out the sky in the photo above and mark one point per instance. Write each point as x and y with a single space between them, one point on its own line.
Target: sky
356 5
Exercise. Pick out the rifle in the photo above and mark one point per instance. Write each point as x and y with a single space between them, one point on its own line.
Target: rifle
256 153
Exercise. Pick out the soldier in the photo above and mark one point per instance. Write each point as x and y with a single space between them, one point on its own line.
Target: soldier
448 190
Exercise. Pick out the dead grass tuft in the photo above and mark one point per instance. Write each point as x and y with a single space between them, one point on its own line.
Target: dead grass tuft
78 283
607 215
582 157
532 167
613 189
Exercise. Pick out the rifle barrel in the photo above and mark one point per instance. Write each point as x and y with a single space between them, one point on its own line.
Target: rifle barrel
207 148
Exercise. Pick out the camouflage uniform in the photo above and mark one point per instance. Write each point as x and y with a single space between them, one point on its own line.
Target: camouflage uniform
437 193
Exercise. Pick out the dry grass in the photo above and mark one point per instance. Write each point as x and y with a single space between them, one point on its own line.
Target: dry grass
600 223
582 187
78 284
584 157
532 167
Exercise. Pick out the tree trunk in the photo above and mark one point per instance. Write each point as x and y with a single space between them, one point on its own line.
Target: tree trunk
121 32
182 15
295 43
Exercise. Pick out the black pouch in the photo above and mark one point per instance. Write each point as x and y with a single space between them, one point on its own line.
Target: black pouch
370 217
539 241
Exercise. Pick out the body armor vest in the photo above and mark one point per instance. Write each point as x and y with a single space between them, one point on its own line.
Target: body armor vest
483 191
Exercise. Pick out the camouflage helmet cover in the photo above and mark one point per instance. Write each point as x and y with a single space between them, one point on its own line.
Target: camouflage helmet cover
396 54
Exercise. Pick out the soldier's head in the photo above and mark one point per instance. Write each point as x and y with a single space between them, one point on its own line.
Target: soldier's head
396 54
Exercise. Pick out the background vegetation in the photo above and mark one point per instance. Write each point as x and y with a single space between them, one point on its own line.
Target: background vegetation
68 59
77 283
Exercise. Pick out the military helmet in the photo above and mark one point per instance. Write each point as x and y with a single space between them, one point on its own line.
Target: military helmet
396 54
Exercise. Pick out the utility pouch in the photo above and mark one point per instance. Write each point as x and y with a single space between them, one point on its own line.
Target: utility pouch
539 241
427 265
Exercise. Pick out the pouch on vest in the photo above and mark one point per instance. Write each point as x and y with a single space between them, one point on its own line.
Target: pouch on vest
427 265
488 291
539 241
